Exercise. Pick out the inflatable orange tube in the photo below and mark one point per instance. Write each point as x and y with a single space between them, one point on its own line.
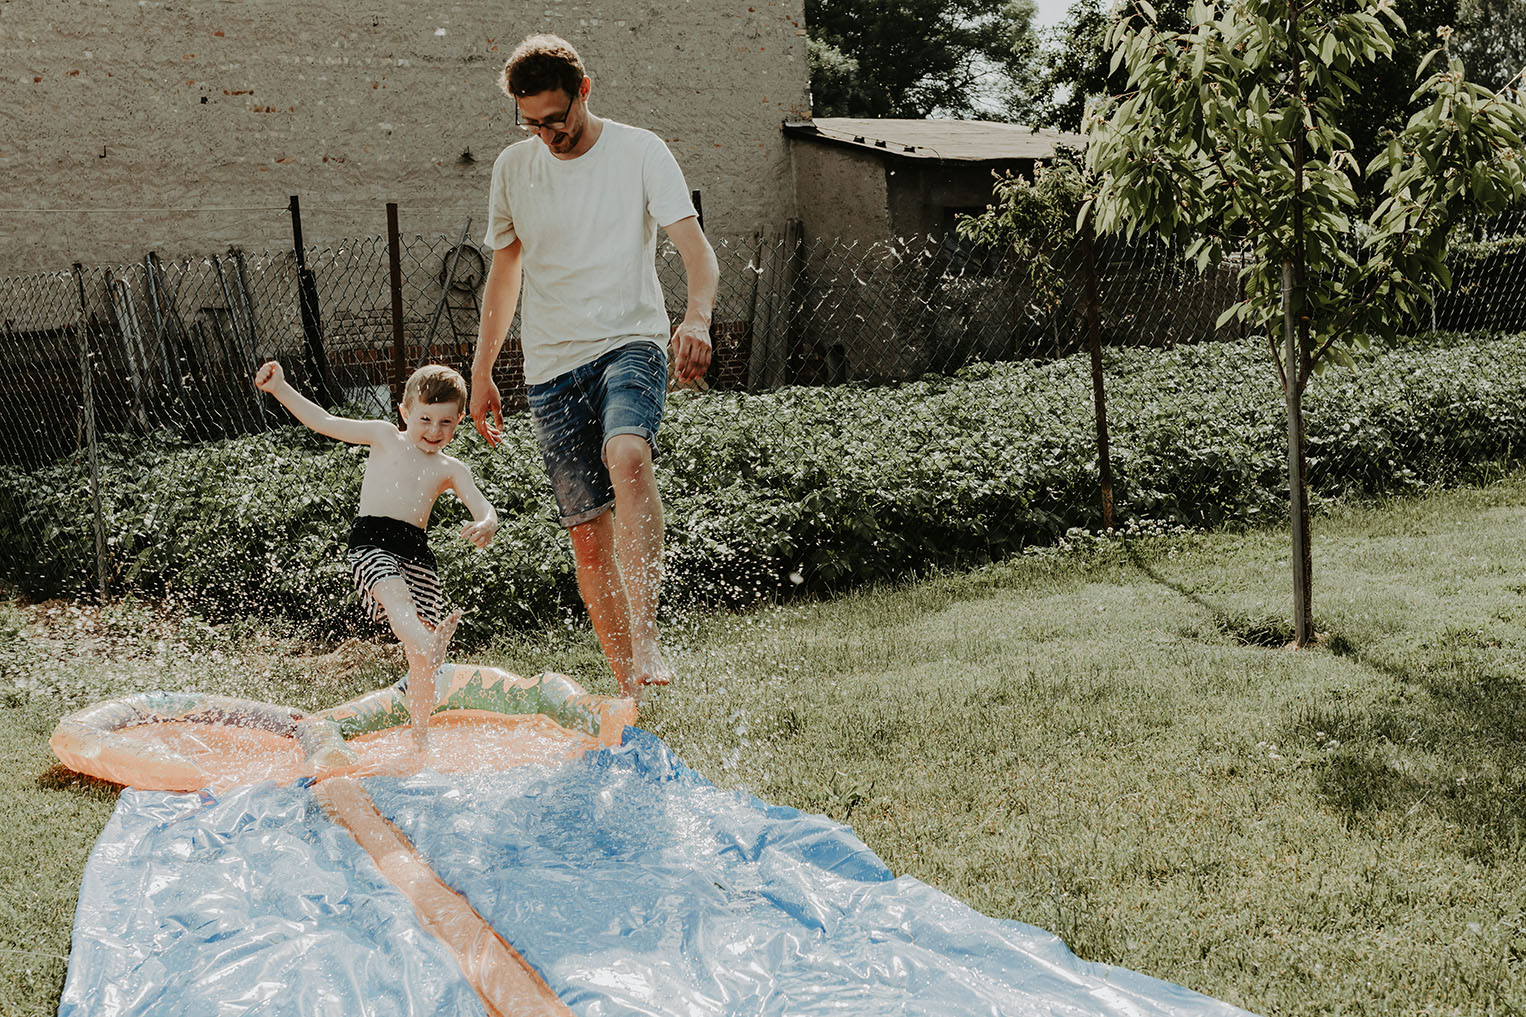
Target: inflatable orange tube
507 985
178 741
485 718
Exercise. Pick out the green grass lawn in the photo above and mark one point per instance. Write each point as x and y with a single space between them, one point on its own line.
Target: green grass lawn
1107 741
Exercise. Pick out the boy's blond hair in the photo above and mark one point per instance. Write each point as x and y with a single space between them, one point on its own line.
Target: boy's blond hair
436 383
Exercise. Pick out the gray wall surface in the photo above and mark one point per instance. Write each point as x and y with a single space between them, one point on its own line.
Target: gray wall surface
843 193
183 127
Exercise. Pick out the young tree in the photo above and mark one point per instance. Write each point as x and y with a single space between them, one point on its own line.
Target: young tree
1230 137
1037 220
1076 67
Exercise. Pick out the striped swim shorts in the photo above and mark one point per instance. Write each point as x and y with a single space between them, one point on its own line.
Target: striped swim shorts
383 548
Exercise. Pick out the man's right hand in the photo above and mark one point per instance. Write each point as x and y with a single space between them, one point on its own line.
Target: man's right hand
486 401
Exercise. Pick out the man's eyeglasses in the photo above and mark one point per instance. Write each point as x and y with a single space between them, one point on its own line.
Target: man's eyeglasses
555 124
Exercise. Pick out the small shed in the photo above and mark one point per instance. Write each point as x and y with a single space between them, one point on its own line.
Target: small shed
874 179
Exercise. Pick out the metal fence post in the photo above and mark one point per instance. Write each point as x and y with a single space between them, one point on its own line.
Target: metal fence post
156 304
395 265
134 357
243 345
246 307
87 398
307 299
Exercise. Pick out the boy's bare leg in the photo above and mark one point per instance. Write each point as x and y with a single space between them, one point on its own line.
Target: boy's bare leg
603 592
638 538
424 650
424 687
439 641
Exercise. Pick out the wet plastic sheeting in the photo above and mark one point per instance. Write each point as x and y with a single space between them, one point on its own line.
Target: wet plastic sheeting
634 886
250 903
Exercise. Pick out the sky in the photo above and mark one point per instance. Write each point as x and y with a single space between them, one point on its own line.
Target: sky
1051 12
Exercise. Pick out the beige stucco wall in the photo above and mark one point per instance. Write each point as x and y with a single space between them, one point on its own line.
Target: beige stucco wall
184 126
841 192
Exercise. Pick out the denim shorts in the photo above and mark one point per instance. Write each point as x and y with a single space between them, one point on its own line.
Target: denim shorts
575 414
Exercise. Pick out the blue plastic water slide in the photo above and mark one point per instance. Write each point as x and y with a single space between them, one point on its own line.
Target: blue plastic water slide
626 881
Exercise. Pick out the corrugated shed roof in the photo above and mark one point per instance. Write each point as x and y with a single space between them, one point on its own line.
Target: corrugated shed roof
956 140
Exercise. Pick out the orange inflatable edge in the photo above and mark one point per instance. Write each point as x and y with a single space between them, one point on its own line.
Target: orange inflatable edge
93 741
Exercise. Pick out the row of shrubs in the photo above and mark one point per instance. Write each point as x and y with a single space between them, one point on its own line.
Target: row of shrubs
802 489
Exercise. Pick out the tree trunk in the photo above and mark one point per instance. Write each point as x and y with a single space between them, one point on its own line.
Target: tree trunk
1297 370
1298 471
1099 390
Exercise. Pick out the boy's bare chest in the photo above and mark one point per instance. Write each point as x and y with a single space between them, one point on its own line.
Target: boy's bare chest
404 468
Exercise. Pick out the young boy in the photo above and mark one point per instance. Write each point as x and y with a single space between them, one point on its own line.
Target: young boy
406 472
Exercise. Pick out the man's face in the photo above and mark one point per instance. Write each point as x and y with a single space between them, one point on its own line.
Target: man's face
557 118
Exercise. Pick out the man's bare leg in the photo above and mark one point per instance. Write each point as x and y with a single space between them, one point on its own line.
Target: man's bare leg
638 538
603 592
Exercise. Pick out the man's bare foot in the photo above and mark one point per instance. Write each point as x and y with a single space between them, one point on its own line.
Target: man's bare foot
649 666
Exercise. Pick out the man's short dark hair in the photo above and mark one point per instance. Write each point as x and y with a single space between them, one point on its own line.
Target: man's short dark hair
542 63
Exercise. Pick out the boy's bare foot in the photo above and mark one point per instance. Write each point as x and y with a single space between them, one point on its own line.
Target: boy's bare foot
439 640
323 744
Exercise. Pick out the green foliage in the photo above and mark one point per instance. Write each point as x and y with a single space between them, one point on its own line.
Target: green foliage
916 57
1232 134
1491 38
799 490
1037 220
837 87
1076 67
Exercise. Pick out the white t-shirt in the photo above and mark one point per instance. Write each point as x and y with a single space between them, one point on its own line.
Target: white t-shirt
588 227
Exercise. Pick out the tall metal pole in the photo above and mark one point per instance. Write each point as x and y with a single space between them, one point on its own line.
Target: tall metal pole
307 299
395 264
87 397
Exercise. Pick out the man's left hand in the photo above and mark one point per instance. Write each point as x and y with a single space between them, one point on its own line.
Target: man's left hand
691 349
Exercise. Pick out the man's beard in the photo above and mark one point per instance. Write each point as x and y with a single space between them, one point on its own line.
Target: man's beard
570 139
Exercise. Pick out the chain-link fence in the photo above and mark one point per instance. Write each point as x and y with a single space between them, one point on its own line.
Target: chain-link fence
101 354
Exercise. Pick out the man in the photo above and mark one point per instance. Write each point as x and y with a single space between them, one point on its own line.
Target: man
572 222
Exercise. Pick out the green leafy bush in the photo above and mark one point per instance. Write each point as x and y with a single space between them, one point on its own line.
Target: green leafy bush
803 489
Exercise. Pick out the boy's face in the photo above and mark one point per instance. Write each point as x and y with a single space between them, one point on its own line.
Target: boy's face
430 426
